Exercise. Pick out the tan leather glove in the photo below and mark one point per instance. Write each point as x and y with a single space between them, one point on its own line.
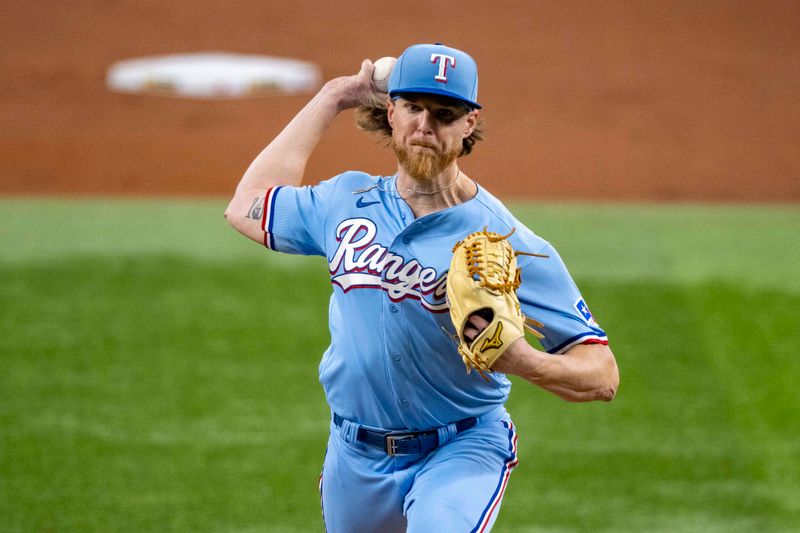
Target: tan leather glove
483 279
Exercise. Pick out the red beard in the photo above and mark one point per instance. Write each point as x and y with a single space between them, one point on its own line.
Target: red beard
423 164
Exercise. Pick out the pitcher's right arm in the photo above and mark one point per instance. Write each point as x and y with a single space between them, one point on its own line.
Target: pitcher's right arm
283 161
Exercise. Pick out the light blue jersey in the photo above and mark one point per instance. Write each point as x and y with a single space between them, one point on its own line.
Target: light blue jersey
392 362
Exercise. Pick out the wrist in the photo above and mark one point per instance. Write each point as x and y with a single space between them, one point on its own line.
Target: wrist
347 92
520 359
330 96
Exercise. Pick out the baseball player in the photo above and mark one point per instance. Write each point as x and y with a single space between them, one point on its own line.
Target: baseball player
416 443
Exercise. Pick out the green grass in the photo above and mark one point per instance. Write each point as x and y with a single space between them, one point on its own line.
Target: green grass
159 373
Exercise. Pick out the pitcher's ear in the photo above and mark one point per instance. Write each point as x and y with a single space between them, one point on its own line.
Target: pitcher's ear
472 122
389 110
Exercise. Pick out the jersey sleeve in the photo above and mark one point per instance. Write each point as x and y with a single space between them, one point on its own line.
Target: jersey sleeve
294 217
548 294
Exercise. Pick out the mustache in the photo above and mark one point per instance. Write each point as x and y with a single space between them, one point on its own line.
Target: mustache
424 145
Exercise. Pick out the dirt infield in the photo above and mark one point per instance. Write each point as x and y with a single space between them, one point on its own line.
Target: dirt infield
583 100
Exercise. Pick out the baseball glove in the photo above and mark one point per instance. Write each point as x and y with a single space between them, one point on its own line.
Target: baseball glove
483 280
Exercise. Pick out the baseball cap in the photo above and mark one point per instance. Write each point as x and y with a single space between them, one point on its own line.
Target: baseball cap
436 69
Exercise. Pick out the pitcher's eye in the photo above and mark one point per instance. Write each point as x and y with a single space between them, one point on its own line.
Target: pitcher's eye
445 115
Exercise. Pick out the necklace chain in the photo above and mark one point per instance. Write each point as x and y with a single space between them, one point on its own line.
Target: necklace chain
414 190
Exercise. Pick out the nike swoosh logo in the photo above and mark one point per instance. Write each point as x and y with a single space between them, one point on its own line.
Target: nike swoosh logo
362 203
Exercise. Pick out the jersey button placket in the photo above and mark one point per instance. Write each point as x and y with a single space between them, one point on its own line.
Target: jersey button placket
396 371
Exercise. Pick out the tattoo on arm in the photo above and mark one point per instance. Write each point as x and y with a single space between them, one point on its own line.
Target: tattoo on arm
256 208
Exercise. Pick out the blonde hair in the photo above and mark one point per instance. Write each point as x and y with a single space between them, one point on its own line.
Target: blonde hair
373 118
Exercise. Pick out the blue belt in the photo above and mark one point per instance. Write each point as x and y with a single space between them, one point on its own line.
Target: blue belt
404 442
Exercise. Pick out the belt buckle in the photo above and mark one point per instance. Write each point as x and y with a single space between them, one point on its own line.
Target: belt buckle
390 442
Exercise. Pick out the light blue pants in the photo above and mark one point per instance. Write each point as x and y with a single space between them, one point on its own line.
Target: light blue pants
458 487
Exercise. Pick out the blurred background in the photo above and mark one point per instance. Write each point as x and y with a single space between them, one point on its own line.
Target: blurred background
158 372
622 100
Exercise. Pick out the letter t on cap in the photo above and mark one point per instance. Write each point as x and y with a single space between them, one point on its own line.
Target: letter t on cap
445 59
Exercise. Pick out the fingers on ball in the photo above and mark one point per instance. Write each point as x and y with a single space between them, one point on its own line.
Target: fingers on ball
382 71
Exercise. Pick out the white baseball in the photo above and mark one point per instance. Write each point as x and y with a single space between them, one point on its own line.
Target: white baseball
383 69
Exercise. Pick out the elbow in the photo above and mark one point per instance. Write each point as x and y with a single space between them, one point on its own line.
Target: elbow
231 218
608 390
236 214
601 393
229 214
604 392
607 394
608 374
244 214
605 385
